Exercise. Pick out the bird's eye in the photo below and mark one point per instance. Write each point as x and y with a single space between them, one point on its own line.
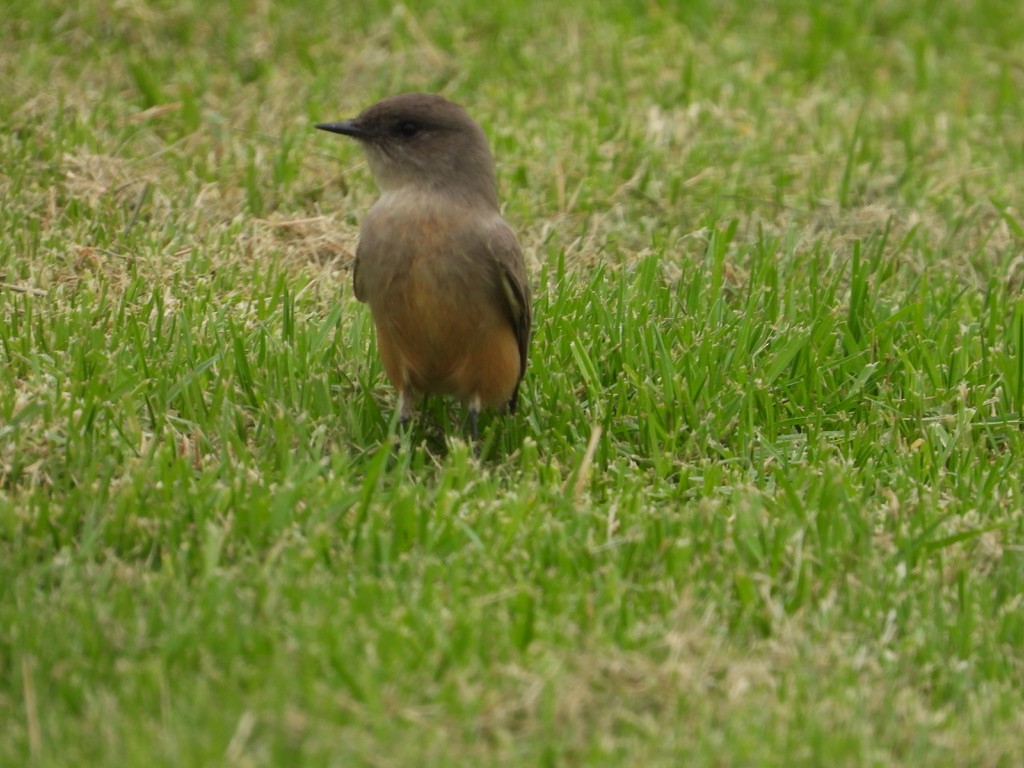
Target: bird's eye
407 128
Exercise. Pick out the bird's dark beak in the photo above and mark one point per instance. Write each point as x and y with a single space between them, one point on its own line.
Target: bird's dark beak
346 128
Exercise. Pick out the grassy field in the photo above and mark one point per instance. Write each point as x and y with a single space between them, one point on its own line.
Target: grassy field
762 504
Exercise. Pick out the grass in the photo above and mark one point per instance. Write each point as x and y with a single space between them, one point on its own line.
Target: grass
761 504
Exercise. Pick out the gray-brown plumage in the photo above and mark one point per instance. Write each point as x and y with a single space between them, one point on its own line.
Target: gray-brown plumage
439 267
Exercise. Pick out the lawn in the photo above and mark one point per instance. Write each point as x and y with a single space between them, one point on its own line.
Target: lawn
761 504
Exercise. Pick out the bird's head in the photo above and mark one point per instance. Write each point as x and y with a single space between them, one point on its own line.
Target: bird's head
423 141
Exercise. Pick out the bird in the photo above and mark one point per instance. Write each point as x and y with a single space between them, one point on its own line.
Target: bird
442 272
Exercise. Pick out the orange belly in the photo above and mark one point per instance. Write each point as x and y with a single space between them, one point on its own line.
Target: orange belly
436 344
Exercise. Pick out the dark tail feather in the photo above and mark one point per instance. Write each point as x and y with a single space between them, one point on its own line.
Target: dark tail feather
513 402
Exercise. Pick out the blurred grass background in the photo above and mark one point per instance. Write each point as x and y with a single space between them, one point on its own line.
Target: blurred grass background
761 506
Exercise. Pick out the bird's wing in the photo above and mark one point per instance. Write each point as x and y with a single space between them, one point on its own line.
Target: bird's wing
510 269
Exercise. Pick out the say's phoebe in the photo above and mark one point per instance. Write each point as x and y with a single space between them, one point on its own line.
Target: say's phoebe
439 267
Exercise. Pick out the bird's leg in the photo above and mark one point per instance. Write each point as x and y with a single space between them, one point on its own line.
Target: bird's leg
406 403
474 424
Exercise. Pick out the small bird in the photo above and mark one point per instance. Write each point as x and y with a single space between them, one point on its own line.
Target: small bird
441 270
